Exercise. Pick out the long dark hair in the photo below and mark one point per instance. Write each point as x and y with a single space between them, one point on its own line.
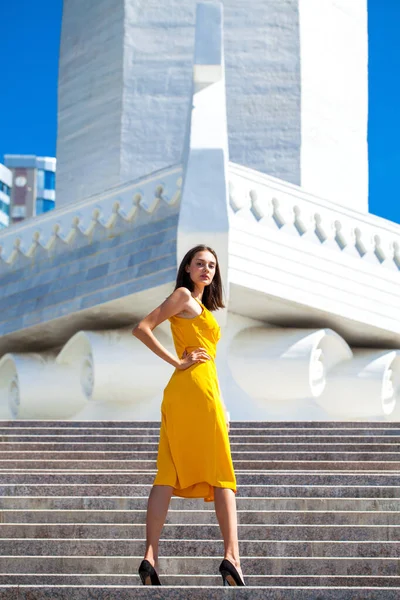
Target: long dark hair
212 295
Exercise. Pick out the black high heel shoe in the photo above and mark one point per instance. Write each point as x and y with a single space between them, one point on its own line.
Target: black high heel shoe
148 574
230 576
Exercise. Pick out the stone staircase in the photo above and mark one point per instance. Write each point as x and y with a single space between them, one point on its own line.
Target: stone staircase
318 511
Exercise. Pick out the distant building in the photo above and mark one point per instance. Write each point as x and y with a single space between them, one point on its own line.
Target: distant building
5 193
34 182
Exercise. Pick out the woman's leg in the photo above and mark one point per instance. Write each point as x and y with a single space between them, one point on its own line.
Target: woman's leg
157 509
225 509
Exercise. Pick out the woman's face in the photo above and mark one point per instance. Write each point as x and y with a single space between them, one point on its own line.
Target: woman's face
202 268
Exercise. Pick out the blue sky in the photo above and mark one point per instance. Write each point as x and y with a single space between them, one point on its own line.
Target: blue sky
29 45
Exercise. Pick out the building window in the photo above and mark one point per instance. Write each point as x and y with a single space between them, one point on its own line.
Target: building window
5 188
5 208
43 205
18 212
49 180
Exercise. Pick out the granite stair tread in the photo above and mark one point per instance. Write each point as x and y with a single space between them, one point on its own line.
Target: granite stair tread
145 465
202 565
248 438
275 518
262 491
258 456
76 448
244 478
202 545
122 503
234 425
130 579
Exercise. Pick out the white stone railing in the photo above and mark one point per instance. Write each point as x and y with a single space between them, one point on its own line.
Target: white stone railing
289 209
125 202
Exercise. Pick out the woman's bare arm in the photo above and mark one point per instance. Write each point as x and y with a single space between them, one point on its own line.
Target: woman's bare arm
174 304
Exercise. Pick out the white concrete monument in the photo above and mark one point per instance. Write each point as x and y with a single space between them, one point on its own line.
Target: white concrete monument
296 81
311 330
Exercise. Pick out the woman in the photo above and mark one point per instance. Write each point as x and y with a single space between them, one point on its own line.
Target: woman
194 458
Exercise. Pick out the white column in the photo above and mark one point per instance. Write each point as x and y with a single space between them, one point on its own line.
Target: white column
275 364
366 387
34 386
114 367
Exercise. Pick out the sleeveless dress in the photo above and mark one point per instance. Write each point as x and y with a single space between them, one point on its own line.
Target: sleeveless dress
194 451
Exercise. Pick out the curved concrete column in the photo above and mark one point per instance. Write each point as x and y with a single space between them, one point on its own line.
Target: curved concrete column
367 386
34 386
114 366
285 364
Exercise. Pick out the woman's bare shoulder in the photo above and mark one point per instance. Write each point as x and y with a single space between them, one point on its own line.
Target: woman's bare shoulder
181 293
178 299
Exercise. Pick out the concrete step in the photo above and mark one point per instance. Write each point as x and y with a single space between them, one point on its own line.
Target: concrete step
274 518
278 425
251 465
261 491
243 478
243 456
54 434
124 504
151 424
122 579
195 593
201 565
151 436
77 448
204 541
74 425
204 529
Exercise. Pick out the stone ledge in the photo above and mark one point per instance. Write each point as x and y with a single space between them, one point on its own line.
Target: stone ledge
289 209
121 204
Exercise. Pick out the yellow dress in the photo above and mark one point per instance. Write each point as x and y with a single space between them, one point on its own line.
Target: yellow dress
194 451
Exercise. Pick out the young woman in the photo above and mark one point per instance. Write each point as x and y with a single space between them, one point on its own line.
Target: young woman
194 457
